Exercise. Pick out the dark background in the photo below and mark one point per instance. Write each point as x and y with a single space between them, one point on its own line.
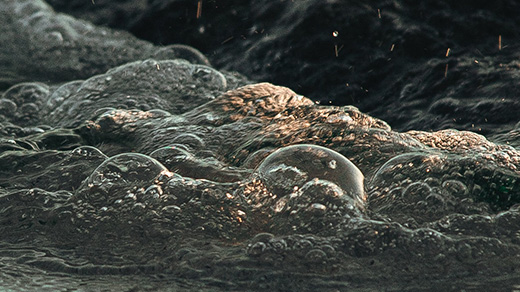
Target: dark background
389 58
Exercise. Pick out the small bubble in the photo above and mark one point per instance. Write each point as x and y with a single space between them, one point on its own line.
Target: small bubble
316 256
328 249
455 187
171 209
191 140
335 33
256 249
88 151
262 237
7 107
278 244
302 244
318 207
29 109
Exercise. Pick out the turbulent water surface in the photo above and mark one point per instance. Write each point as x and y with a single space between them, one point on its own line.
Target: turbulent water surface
132 167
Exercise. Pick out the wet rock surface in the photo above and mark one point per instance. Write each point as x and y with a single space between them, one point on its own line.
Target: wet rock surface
156 171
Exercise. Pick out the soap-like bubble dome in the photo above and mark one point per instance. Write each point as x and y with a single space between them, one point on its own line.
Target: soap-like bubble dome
172 155
128 168
122 171
88 152
289 168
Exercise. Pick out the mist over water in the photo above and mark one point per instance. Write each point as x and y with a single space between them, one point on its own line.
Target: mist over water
129 166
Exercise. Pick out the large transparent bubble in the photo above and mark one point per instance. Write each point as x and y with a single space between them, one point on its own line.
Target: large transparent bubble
118 174
128 168
289 168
